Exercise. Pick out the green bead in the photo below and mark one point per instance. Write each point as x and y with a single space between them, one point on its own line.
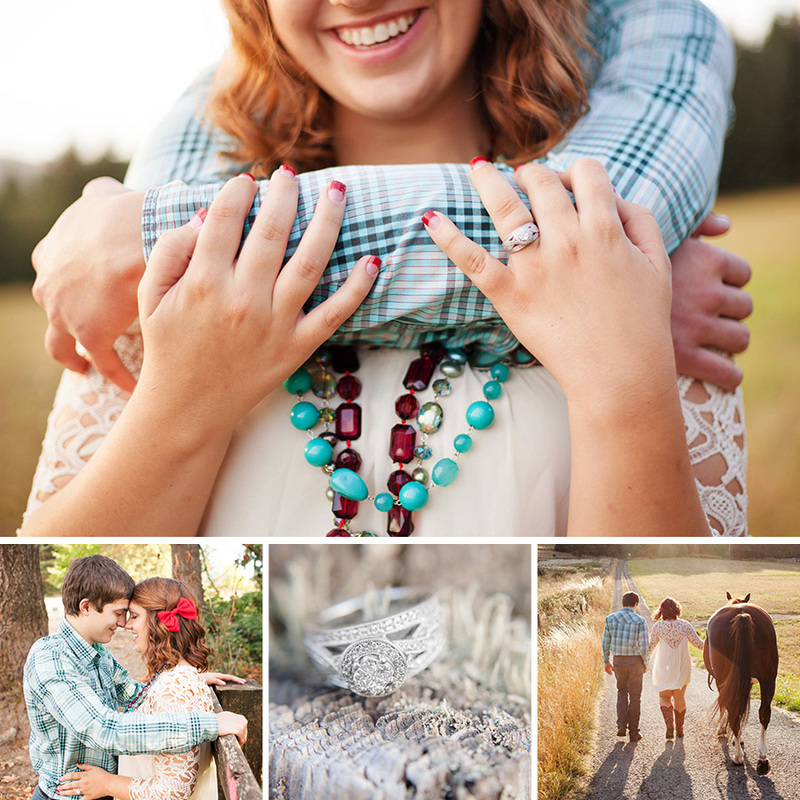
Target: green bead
327 415
445 472
463 443
413 496
323 383
304 416
430 417
349 484
500 372
318 452
452 369
480 415
364 534
492 390
299 383
442 387
384 501
423 452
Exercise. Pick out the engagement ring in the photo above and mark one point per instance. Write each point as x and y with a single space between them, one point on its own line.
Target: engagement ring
372 643
521 237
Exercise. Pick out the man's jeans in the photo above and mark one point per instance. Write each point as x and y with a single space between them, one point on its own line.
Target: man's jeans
628 671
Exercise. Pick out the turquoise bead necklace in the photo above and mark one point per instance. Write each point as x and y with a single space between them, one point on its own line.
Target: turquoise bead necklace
140 694
408 492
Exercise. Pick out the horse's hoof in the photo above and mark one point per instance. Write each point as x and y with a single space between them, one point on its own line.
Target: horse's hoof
762 768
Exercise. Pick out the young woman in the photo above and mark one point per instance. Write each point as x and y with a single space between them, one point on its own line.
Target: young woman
671 667
167 634
411 97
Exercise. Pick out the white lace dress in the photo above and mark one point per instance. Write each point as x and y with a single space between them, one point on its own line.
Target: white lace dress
671 665
174 776
514 481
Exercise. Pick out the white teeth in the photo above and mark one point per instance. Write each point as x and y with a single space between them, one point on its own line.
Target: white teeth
382 32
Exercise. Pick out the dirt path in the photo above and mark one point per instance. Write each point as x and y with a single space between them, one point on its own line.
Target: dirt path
697 767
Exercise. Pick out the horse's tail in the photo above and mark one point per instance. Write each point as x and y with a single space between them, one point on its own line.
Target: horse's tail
734 694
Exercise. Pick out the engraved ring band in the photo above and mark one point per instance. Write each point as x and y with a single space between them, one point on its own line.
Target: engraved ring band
372 643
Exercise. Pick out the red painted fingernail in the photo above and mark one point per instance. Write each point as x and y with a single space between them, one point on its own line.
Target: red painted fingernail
288 170
247 175
373 266
199 218
336 191
430 220
478 162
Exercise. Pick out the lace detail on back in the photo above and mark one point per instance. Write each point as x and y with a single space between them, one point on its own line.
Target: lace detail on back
178 690
673 632
86 407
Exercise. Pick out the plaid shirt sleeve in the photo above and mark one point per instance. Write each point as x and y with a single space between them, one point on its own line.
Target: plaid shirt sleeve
642 641
660 106
607 643
62 698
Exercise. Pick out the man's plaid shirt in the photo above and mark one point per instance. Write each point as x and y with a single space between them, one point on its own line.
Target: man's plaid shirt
660 108
73 690
626 634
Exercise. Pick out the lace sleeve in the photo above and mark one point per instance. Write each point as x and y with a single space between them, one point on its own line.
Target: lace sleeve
84 411
691 635
654 636
714 420
181 689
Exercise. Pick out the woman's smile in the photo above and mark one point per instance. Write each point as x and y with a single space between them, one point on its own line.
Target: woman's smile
364 36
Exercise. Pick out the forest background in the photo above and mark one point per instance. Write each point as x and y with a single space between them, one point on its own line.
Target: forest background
759 190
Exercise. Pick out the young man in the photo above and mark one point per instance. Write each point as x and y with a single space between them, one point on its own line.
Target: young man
626 638
74 687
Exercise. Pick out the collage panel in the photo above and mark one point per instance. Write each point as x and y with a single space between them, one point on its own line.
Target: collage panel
131 671
400 670
668 670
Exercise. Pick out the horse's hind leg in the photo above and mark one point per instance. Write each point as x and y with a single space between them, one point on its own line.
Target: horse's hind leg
764 715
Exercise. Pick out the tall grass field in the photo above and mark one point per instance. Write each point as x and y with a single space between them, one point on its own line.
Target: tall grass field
766 231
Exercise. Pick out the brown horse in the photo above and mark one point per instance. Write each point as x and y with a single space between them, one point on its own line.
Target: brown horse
741 648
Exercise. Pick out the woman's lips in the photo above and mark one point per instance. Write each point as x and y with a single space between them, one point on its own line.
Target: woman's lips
367 36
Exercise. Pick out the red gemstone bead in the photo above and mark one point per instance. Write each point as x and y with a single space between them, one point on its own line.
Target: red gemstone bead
349 459
401 443
434 351
406 406
349 387
397 480
419 374
337 532
348 421
343 508
399 522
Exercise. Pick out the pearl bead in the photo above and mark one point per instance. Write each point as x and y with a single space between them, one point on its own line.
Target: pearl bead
420 476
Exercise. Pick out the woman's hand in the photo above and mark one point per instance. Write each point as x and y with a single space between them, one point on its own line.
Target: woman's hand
222 330
220 678
87 270
591 297
231 724
90 782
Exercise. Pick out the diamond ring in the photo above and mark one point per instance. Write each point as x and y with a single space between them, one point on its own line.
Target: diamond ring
521 237
372 643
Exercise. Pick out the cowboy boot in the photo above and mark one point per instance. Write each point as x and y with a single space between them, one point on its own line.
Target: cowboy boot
679 717
666 712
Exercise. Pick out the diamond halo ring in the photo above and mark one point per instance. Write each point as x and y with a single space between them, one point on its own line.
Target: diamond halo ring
521 237
372 643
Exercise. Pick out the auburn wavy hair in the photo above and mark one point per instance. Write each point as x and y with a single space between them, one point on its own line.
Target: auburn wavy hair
165 647
669 609
530 82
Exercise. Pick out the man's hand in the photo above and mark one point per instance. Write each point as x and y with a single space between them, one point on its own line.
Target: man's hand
220 678
88 270
609 669
231 724
708 306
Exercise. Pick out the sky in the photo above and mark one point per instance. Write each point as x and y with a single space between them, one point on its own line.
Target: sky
100 73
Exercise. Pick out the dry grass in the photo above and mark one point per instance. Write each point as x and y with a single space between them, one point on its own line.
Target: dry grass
28 380
570 673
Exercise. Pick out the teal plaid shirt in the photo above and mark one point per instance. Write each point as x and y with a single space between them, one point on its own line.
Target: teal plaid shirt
660 108
626 634
72 691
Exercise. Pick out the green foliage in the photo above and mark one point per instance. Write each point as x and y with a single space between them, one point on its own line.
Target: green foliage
235 632
28 209
764 146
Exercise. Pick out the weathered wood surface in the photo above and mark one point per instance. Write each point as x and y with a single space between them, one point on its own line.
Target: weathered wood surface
443 735
236 779
247 699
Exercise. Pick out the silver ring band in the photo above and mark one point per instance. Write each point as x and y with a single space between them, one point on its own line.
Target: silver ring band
372 643
521 237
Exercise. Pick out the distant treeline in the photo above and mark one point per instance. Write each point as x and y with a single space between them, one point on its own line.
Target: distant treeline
762 151
736 551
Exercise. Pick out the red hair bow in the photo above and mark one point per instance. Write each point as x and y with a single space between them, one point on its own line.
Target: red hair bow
185 609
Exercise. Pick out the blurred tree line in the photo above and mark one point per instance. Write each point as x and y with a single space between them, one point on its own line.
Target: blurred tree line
730 550
762 151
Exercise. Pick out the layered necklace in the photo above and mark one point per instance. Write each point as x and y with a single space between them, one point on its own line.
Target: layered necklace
331 371
131 704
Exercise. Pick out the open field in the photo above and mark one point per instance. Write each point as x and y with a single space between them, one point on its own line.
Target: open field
765 231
